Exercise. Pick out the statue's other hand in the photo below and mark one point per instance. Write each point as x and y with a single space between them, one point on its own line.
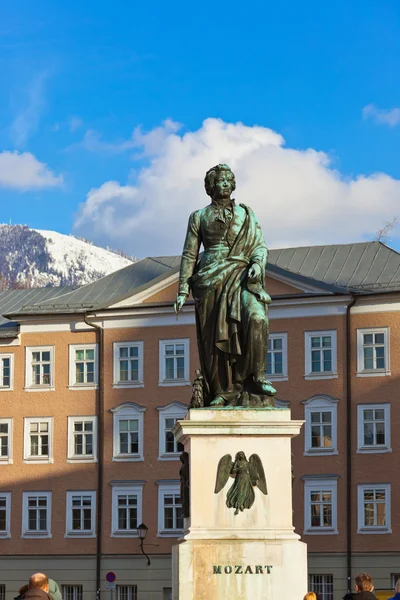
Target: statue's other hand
179 302
254 273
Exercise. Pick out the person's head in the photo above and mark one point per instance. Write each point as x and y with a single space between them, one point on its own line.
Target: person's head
39 580
397 586
23 589
310 596
220 182
364 583
240 456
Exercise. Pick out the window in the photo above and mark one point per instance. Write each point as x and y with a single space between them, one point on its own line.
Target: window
128 432
169 448
277 356
126 592
72 592
126 509
373 427
394 578
2 591
320 429
320 506
174 362
5 514
83 366
6 441
38 440
322 585
374 508
167 593
320 354
170 518
82 439
39 368
373 352
6 371
81 509
128 364
36 514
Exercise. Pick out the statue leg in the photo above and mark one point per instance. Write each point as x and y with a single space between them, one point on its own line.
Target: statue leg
254 343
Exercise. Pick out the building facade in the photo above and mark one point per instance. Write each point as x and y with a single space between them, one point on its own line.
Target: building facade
93 380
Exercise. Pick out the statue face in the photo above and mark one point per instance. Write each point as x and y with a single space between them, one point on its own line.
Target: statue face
223 184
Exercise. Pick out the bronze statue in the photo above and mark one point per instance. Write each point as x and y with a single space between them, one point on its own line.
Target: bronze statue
228 285
185 484
197 400
247 473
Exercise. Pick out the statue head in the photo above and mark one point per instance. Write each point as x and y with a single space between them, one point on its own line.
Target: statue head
220 182
240 456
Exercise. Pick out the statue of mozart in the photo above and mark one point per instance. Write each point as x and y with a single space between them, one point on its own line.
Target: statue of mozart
227 282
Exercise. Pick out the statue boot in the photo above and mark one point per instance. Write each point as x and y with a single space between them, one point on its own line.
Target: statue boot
263 386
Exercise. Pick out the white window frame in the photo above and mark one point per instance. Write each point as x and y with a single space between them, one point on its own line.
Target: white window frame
162 373
361 371
69 532
321 403
127 411
175 410
165 488
308 374
131 591
8 460
27 440
81 458
284 375
7 533
73 385
324 594
318 485
373 449
29 385
126 488
26 533
375 529
73 591
117 384
7 388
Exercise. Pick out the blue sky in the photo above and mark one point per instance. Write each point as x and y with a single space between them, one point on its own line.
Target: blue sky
78 78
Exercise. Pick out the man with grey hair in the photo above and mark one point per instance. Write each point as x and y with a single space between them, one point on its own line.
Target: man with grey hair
38 588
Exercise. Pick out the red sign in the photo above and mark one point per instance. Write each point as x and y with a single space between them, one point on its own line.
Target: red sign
111 577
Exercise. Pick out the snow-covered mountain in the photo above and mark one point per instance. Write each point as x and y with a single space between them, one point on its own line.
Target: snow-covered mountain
39 258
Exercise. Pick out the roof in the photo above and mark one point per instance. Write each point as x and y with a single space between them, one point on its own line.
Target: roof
341 268
11 301
363 266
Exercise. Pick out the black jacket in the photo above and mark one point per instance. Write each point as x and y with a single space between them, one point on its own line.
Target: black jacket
36 594
365 596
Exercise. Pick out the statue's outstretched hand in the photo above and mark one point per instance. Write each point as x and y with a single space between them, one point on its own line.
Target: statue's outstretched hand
179 302
254 273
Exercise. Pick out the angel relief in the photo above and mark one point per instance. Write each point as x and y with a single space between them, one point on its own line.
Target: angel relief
246 474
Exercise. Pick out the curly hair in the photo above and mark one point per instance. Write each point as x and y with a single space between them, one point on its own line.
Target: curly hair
211 174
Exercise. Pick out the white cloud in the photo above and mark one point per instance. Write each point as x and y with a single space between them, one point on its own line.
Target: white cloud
22 171
382 116
298 196
150 142
26 122
74 123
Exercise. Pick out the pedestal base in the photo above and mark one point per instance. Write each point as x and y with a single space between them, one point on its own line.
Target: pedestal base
239 570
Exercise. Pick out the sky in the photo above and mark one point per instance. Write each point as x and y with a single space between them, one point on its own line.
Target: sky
111 113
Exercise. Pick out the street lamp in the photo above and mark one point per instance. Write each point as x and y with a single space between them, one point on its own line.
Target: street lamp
142 532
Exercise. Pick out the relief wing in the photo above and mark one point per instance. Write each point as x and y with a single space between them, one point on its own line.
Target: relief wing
257 473
223 471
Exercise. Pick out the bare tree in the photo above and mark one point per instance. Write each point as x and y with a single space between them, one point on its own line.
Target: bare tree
383 233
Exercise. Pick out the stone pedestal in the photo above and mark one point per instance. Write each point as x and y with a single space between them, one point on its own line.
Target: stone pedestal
254 555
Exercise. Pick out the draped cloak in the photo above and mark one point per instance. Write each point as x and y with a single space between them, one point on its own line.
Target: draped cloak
231 312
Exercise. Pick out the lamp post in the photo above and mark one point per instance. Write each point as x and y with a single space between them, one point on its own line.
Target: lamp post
142 532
